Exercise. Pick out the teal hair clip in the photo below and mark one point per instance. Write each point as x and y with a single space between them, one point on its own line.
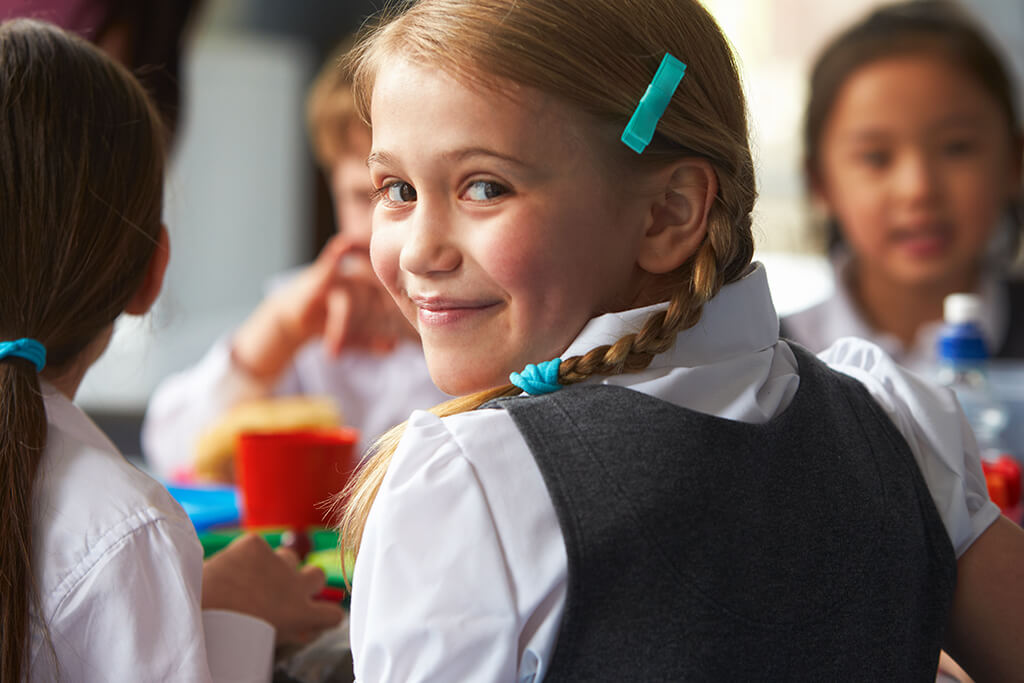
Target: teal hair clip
26 348
640 129
538 379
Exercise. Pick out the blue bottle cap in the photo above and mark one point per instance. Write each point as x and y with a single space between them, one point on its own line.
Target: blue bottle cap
962 341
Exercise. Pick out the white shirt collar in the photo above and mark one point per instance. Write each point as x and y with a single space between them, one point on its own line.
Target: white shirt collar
740 319
845 319
64 415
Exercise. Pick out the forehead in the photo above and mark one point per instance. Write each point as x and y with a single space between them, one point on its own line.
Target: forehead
921 91
411 103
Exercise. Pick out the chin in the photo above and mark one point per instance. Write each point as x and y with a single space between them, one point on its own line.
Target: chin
455 383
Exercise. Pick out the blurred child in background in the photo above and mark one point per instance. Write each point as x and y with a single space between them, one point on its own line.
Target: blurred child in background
102 573
329 330
913 147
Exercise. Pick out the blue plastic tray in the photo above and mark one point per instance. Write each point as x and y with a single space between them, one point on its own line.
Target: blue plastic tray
209 505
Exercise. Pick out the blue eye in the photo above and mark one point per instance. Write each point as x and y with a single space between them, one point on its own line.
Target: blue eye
484 190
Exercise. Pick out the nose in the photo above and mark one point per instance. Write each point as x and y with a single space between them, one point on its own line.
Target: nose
430 246
916 178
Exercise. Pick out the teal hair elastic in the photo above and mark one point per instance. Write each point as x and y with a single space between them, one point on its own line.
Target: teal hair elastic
640 129
538 379
26 348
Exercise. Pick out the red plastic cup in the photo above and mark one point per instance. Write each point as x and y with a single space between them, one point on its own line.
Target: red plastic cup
286 477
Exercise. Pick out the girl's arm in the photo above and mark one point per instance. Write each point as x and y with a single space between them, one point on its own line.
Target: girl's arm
432 598
131 612
986 633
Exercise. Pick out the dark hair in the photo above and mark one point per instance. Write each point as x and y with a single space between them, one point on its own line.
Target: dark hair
936 27
155 29
81 183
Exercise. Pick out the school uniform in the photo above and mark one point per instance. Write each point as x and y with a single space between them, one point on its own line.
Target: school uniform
463 568
1002 320
373 391
118 569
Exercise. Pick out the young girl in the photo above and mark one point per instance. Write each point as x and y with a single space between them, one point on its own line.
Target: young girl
101 570
330 329
682 495
913 147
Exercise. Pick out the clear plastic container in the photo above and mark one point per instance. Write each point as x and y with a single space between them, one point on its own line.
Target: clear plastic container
963 367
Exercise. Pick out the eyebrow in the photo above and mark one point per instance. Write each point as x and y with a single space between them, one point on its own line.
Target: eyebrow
380 158
468 152
955 121
385 158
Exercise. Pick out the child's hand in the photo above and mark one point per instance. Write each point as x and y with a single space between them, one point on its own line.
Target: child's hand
249 577
338 298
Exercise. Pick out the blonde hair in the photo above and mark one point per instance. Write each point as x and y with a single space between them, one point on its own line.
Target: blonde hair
335 126
545 45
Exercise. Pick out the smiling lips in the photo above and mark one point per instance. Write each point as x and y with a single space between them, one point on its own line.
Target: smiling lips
924 240
435 311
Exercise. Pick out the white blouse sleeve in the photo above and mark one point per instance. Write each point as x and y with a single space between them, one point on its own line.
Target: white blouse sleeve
432 598
936 430
133 614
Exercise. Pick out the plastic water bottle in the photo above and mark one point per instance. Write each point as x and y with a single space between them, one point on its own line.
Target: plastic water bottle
963 367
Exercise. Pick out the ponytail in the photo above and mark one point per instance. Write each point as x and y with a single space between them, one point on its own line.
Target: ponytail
81 177
22 439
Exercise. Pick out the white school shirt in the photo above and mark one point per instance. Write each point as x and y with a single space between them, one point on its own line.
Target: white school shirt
375 392
118 568
462 571
818 326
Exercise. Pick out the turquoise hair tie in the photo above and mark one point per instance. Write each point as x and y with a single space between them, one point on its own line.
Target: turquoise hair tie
538 379
26 348
640 129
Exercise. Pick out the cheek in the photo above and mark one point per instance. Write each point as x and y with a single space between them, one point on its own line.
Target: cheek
857 207
979 207
384 252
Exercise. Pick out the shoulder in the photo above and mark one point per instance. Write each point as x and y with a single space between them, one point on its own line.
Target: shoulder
475 436
814 327
931 422
472 458
904 395
90 504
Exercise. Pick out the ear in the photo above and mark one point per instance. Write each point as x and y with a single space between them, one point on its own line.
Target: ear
679 215
153 281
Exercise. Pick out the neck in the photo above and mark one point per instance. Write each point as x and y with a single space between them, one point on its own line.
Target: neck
68 378
902 309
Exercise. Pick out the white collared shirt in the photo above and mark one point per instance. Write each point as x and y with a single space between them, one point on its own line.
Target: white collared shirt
818 326
462 570
118 569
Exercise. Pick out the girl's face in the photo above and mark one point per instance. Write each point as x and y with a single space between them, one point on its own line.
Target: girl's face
497 230
917 166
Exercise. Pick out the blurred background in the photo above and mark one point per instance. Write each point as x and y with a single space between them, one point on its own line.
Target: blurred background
244 199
